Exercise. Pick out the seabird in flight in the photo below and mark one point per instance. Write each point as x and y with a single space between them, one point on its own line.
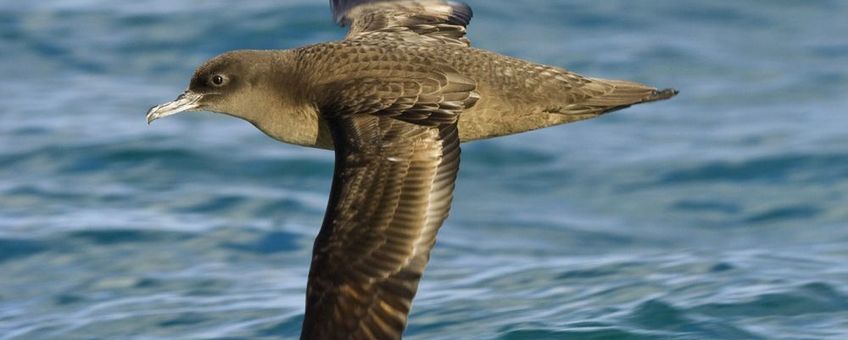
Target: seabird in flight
394 99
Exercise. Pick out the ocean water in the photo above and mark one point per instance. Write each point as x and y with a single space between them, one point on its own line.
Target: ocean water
722 214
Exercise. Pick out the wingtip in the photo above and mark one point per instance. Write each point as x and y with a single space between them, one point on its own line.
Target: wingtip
462 13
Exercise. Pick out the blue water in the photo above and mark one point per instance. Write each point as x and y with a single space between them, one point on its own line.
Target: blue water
720 214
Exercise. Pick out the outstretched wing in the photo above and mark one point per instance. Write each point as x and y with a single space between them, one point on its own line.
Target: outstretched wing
435 20
397 157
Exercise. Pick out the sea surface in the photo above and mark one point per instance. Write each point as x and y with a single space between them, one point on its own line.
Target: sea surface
721 214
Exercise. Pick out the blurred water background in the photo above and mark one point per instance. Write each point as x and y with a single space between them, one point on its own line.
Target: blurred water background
719 214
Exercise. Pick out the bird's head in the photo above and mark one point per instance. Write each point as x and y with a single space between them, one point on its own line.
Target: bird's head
223 84
264 88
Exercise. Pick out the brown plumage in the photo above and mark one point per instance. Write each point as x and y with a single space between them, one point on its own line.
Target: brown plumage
394 99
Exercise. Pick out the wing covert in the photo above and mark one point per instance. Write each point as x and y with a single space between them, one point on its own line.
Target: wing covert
428 95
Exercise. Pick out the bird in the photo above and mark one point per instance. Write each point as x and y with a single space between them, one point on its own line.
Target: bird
394 100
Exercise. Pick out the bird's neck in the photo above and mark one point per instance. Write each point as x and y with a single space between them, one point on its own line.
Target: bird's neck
282 109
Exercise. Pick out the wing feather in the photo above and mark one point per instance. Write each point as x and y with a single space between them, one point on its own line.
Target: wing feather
391 192
397 158
436 21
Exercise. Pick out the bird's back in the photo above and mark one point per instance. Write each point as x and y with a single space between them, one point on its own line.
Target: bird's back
515 95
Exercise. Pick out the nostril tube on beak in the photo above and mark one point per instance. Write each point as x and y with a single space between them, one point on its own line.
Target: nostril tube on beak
188 101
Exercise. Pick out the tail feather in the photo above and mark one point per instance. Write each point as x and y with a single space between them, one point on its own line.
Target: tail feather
614 95
661 95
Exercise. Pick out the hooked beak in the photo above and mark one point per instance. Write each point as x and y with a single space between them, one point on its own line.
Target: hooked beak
188 101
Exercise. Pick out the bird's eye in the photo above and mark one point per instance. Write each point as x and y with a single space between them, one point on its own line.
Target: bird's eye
218 80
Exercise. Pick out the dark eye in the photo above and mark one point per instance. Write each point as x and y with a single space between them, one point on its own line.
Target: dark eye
218 80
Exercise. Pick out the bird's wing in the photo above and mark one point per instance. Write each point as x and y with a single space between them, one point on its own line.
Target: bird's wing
431 20
397 157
